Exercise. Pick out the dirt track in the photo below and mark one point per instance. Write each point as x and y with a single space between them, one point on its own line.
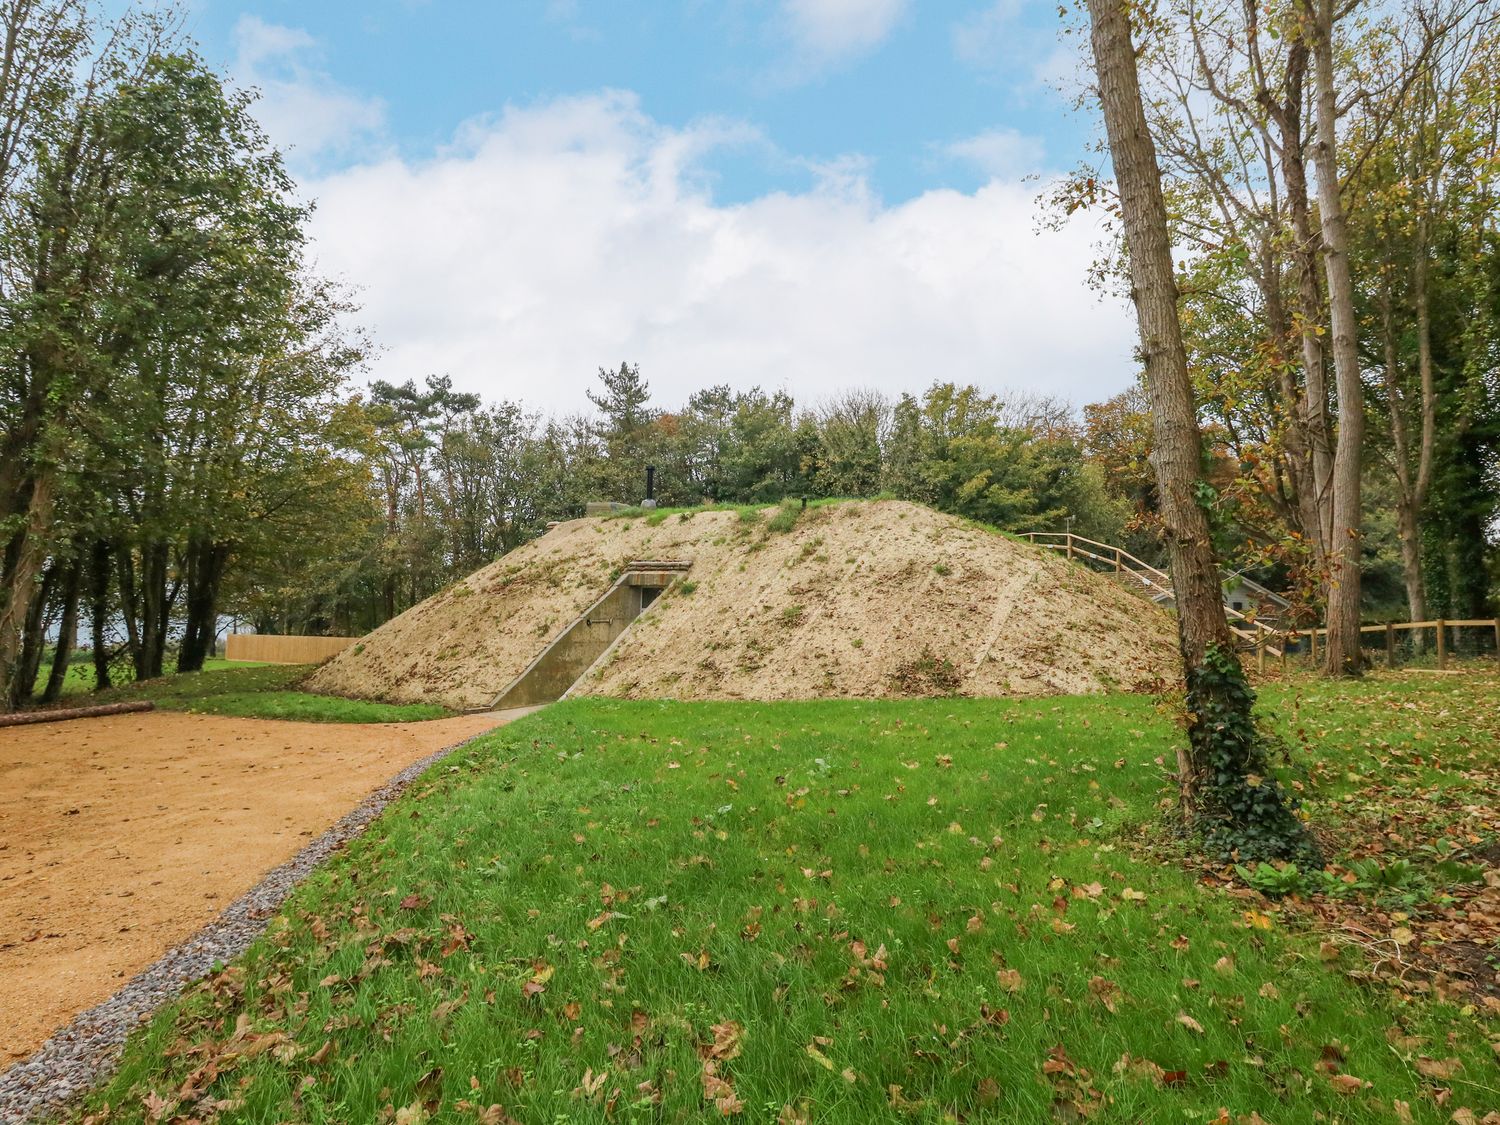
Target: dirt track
120 837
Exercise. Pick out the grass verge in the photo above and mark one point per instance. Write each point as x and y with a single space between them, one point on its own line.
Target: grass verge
939 910
257 691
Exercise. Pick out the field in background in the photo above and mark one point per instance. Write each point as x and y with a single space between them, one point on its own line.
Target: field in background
853 911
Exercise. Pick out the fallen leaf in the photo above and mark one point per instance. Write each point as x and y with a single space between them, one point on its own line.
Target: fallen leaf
727 1036
1439 1068
819 1057
1009 979
1107 992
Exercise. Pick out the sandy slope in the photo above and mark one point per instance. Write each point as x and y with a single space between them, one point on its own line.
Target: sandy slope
860 599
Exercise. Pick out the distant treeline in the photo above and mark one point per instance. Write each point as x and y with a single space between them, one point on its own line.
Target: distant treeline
180 439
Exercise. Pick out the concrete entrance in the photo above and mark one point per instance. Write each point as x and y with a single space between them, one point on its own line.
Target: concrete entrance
586 640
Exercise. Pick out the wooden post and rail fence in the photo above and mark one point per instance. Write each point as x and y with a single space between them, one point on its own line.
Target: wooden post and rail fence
1265 639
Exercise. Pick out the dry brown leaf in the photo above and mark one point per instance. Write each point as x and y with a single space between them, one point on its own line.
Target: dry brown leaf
1190 1023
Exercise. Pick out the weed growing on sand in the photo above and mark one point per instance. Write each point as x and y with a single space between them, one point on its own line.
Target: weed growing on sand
942 570
927 674
786 517
686 587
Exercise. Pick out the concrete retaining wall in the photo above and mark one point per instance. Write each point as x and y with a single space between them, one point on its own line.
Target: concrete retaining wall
568 657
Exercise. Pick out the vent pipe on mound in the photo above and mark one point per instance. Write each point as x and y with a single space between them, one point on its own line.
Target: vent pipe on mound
650 501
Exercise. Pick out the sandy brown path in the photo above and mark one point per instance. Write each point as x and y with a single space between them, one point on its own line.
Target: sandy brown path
120 837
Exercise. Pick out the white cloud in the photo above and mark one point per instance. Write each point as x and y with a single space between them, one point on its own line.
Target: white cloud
995 40
998 153
830 30
987 36
302 108
555 239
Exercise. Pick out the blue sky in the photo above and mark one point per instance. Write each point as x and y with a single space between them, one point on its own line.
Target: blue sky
804 193
939 74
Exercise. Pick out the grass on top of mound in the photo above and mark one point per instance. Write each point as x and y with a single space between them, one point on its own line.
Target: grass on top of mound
258 691
838 911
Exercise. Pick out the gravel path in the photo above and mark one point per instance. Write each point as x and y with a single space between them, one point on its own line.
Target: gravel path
81 1055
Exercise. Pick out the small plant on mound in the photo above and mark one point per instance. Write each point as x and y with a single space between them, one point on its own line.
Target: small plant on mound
792 615
786 517
927 675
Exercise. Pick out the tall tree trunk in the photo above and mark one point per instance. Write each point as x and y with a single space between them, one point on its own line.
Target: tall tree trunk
99 613
1316 503
1411 517
67 633
33 639
1343 652
130 606
21 563
205 574
156 611
1408 531
1226 786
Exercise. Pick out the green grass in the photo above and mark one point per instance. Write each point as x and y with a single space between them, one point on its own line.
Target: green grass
940 910
257 691
748 513
79 679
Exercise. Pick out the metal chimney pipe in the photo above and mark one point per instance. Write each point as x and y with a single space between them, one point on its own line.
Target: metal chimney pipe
650 482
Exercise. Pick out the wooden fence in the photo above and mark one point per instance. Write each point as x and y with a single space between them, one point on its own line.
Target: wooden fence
1151 581
1440 629
268 649
1265 640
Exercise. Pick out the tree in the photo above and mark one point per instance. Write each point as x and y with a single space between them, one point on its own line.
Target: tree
1227 787
852 428
627 426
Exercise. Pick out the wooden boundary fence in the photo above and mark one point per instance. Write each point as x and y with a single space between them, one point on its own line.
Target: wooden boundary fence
1439 626
267 649
1263 639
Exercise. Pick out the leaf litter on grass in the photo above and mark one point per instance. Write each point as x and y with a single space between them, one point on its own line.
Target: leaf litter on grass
841 927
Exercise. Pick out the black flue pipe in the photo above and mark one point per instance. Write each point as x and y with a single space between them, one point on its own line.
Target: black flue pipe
650 482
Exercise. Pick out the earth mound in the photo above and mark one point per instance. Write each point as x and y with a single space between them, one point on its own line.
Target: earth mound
857 599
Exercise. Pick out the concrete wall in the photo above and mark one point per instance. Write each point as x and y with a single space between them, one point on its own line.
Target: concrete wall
269 649
571 654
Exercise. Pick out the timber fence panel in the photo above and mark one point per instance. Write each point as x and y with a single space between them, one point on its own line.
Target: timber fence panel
265 648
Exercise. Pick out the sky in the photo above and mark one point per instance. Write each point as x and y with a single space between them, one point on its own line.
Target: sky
808 195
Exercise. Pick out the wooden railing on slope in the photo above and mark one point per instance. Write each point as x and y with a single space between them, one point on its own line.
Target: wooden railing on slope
1154 583
1265 640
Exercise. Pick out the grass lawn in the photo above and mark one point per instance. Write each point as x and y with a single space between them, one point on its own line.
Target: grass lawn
256 691
842 911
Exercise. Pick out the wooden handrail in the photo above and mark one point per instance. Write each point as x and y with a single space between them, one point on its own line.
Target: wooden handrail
1120 556
1253 630
1117 551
